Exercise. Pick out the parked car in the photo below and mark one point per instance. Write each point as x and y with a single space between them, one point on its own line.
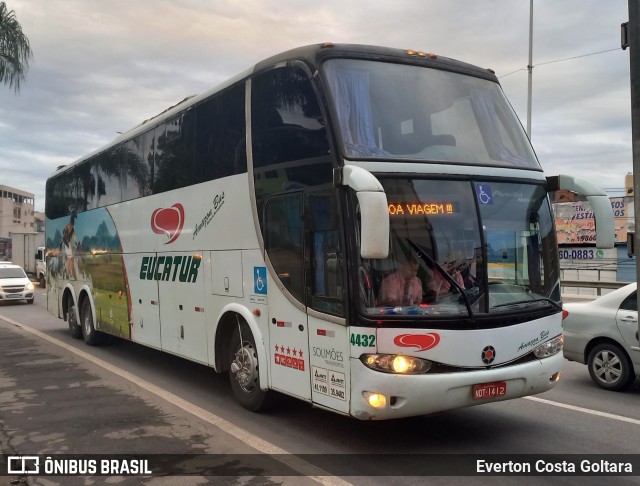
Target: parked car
603 334
14 283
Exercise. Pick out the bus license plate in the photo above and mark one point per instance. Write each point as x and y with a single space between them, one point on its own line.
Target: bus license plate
489 390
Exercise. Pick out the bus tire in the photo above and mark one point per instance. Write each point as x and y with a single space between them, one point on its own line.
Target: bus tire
89 333
74 328
244 371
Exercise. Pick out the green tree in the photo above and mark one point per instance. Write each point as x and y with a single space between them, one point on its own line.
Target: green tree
15 52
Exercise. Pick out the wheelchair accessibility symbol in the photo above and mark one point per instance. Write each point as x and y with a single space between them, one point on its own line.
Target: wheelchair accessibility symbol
260 280
484 193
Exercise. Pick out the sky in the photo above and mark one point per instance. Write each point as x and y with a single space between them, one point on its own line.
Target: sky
103 66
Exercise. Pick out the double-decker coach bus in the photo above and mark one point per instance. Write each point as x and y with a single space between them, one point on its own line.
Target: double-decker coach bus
366 229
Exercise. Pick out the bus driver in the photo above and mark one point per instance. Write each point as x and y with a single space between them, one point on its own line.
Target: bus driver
402 287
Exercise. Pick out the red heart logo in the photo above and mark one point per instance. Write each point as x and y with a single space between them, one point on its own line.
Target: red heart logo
168 221
421 342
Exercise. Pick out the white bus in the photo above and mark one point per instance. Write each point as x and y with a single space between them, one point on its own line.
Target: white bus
366 229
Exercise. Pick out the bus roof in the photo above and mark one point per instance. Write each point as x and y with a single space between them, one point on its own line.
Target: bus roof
313 55
316 53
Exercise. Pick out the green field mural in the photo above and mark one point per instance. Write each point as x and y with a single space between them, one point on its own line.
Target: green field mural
84 250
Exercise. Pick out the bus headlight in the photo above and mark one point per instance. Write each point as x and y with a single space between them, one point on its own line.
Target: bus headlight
396 363
551 347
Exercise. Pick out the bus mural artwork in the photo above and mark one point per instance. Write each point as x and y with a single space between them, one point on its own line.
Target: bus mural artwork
91 258
363 228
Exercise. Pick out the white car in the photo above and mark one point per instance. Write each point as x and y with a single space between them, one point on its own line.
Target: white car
603 334
14 283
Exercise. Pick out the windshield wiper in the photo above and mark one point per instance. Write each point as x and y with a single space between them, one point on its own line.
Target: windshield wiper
429 259
530 301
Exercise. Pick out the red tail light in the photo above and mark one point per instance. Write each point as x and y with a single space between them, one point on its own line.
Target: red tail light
565 314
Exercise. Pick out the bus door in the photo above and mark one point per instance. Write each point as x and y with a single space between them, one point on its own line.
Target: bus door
288 330
181 292
145 304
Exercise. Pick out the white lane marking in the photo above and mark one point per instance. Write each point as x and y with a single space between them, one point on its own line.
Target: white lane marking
586 410
261 445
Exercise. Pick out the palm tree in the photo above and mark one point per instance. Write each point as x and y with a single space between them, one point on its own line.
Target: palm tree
15 51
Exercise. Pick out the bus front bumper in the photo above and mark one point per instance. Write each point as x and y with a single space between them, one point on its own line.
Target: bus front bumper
413 395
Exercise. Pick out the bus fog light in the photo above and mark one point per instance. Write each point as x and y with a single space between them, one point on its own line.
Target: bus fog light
376 400
551 347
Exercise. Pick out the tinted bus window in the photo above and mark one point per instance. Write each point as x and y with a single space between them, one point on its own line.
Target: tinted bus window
289 140
175 164
220 136
139 157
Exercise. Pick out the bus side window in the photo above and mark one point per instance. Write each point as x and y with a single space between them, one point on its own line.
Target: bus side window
220 136
174 153
325 282
284 241
108 178
137 161
290 144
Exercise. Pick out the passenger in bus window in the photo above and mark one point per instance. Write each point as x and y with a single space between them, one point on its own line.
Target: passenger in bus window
402 287
439 285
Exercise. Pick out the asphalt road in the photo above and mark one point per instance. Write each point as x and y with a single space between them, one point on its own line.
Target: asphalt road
58 396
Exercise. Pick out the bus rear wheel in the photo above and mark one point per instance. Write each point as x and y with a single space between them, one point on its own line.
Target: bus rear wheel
91 336
244 371
74 328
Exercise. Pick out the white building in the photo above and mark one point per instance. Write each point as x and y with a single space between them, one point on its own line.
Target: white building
16 211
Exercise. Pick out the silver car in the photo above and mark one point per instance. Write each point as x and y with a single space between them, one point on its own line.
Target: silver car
14 283
603 334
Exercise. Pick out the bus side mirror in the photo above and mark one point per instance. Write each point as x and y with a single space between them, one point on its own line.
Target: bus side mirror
374 225
374 212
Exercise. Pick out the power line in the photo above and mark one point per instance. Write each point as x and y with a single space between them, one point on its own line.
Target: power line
512 72
576 57
561 60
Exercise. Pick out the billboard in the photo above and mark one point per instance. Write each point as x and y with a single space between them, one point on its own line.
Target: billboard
575 223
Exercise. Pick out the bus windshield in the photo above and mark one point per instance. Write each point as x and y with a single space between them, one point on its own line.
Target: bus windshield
463 248
406 112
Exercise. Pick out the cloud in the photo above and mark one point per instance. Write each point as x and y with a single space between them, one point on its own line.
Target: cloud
103 66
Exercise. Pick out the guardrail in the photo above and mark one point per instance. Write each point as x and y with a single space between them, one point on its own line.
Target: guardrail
598 285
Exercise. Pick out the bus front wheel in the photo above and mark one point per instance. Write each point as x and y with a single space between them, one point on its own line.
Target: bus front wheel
244 371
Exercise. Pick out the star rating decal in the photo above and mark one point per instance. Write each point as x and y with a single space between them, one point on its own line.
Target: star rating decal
289 357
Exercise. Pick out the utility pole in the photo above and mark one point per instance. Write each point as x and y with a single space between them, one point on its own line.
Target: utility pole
530 66
631 39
